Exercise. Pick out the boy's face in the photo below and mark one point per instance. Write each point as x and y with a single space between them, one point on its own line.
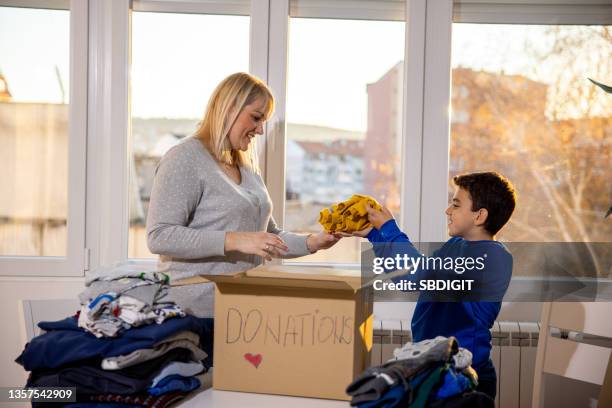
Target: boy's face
461 218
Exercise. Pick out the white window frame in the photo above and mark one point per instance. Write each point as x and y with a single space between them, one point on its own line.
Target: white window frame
100 30
107 175
412 146
110 118
276 130
74 262
228 7
436 121
259 62
594 12
427 79
414 14
427 75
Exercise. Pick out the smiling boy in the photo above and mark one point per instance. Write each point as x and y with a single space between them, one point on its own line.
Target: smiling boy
481 205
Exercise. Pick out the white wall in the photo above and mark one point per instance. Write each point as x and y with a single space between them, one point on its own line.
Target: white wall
13 337
511 311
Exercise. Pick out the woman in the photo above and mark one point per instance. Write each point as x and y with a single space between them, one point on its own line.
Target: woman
210 212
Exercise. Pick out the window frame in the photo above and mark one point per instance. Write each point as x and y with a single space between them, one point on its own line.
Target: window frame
540 12
392 10
229 7
97 232
75 259
427 73
410 187
107 171
108 203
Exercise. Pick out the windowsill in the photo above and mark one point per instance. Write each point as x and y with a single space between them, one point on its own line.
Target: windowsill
354 266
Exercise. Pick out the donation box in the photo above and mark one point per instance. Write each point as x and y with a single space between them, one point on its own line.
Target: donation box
290 330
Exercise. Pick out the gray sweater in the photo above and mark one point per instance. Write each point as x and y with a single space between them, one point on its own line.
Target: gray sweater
193 204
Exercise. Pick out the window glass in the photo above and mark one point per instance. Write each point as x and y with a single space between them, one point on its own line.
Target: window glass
177 61
34 93
344 117
522 105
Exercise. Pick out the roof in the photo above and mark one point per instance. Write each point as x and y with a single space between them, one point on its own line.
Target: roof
340 147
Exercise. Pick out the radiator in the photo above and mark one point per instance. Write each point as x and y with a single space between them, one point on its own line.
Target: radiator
513 354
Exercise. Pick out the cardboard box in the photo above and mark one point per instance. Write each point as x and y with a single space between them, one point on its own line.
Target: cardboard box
290 330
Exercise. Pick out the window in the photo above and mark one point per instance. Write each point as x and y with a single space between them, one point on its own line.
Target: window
34 103
174 71
43 108
522 105
344 123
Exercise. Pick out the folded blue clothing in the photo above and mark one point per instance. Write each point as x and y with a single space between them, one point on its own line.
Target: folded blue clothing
175 382
453 383
91 379
65 342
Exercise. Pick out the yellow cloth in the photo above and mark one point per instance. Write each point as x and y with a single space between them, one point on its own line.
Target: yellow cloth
348 216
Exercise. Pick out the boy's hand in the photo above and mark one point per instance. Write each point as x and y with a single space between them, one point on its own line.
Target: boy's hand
378 218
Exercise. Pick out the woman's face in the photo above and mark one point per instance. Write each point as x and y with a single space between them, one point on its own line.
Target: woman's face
248 124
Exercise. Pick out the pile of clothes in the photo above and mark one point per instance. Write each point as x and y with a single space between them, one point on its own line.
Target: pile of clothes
430 373
348 216
123 297
125 346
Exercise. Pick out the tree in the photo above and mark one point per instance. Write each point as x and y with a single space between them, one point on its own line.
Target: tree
552 139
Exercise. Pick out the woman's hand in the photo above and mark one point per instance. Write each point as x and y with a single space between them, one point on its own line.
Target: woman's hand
378 218
361 234
264 244
321 240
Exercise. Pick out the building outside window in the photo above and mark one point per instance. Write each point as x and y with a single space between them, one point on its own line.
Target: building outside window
34 131
344 110
528 111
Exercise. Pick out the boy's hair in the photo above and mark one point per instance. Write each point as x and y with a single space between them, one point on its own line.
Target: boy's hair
492 191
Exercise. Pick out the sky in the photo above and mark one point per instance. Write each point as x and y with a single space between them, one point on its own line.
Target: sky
32 43
177 60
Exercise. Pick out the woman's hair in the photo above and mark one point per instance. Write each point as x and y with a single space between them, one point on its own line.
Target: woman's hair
225 104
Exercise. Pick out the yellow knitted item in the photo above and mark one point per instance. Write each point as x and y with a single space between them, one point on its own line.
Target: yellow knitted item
348 216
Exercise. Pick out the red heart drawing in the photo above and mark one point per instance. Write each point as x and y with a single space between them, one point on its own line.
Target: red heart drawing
253 359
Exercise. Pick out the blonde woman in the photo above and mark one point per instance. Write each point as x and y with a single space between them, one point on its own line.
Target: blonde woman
210 212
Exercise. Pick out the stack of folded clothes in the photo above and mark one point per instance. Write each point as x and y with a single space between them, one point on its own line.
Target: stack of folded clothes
151 365
430 373
122 297
137 352
348 216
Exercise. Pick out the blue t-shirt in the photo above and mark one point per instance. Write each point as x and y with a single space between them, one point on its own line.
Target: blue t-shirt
469 322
